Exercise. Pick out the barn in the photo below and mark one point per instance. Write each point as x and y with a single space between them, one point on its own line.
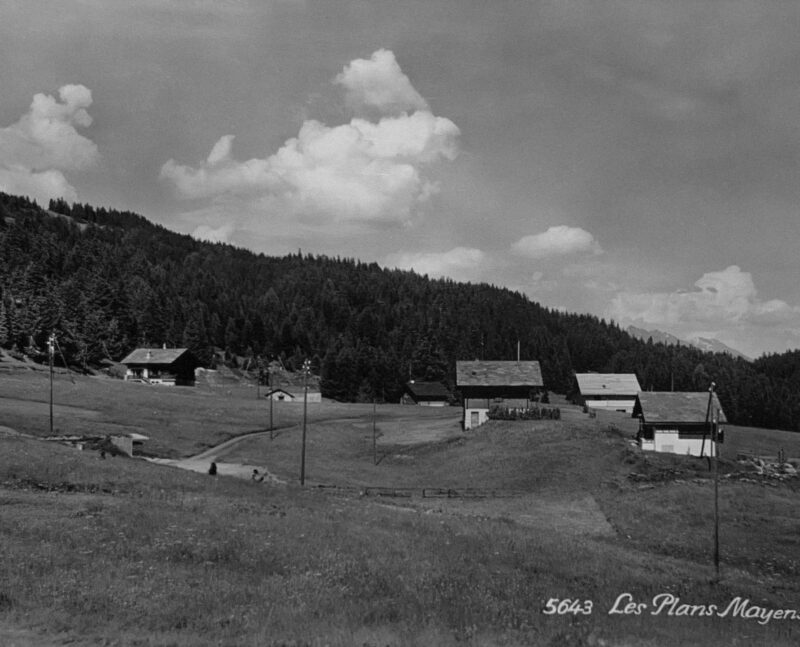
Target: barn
675 422
607 391
484 384
166 366
426 394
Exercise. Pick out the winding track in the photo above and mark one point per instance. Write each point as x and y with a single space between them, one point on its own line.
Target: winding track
202 461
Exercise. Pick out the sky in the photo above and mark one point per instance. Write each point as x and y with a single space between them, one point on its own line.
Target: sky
632 159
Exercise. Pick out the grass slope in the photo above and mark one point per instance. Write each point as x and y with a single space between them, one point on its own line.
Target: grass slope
126 552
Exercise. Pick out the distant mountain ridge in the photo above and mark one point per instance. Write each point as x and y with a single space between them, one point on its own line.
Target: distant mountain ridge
701 343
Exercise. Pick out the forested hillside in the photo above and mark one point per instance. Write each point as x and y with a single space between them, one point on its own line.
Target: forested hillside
108 281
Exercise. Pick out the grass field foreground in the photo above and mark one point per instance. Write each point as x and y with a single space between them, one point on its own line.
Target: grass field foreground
125 552
134 553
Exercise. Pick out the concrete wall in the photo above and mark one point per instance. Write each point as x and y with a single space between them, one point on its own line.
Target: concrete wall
669 442
475 417
125 443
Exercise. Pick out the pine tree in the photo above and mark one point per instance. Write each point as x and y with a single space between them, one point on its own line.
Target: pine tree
4 332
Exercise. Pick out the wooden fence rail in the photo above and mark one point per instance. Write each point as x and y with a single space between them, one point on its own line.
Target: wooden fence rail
425 493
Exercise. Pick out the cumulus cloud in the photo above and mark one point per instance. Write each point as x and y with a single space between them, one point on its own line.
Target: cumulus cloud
378 82
38 186
212 234
725 304
45 142
459 263
362 171
557 241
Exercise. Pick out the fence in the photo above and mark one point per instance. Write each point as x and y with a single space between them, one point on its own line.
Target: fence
425 493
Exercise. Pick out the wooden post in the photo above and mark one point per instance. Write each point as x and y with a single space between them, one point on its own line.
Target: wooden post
50 352
715 437
269 391
306 367
374 434
708 414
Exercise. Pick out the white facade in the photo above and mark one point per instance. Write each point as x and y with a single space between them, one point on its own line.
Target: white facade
475 417
670 442
148 375
624 406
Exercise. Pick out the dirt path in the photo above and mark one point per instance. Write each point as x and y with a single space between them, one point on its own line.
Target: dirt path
201 462
398 431
239 470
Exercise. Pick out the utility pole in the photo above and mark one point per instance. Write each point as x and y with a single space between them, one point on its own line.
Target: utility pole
269 395
715 437
51 343
708 415
306 368
374 433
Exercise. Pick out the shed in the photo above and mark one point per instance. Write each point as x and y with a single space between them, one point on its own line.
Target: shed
675 422
484 384
608 391
293 394
169 366
426 394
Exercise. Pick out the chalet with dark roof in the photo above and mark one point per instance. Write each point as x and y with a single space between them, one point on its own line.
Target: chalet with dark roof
426 394
166 366
676 422
607 391
484 384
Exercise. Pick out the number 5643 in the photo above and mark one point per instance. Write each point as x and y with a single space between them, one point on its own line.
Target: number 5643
556 606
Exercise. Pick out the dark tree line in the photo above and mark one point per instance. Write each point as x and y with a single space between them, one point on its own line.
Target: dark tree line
107 281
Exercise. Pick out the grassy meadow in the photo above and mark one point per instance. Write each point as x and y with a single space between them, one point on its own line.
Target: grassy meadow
178 421
128 552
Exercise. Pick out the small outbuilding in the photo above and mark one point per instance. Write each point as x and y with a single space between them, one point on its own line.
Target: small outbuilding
676 422
426 394
166 366
293 394
484 384
607 391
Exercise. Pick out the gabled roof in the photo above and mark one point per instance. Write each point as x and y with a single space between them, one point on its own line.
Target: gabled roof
275 390
154 355
428 390
498 373
294 391
608 384
681 407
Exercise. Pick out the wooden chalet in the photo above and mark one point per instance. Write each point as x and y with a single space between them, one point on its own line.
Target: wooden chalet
675 422
426 394
484 384
607 391
166 366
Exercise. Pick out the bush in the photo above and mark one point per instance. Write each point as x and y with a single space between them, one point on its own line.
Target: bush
538 413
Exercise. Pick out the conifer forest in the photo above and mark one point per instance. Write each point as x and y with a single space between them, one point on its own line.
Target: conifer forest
106 282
